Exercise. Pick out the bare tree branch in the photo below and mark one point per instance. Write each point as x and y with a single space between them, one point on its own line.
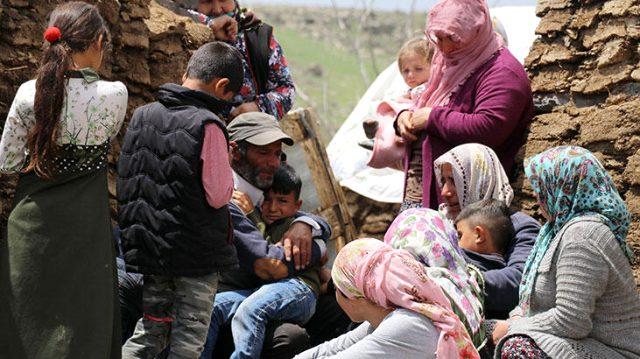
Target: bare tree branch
339 19
410 24
364 18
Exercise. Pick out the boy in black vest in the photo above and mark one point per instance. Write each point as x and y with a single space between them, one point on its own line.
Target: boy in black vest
174 184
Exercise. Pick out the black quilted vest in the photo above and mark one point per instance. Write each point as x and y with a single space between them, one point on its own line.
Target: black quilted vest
168 228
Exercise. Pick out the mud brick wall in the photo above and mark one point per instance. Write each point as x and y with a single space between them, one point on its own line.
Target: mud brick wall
585 73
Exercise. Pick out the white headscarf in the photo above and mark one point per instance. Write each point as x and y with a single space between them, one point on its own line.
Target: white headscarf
477 175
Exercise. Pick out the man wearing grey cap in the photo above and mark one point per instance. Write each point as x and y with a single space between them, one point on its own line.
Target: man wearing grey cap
256 141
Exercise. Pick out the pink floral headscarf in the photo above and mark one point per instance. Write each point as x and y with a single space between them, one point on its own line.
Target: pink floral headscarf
466 22
433 241
369 268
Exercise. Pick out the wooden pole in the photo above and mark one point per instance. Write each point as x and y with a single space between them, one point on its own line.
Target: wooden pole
302 125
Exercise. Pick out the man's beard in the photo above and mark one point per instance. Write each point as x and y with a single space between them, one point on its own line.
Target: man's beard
252 174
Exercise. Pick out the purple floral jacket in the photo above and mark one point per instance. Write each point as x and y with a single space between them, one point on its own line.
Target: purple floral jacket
281 91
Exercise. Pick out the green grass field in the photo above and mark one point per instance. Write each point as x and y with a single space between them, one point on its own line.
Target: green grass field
328 75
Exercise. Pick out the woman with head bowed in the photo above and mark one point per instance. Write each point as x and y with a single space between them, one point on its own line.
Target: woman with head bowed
414 304
478 92
470 173
578 297
432 240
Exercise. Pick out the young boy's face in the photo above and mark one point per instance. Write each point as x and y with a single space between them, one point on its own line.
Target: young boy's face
467 236
414 69
476 239
277 206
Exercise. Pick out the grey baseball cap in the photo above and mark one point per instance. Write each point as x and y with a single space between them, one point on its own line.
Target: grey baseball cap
258 129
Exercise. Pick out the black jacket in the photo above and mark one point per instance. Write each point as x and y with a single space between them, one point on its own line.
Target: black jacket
168 228
502 281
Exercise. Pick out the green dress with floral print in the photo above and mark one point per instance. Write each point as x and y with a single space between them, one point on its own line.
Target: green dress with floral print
58 285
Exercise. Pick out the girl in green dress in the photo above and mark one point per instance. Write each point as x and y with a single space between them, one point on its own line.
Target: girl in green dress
57 270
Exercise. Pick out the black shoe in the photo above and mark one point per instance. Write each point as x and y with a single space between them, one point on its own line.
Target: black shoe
370 128
366 144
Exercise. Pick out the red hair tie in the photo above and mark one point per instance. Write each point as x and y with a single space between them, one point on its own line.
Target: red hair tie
52 34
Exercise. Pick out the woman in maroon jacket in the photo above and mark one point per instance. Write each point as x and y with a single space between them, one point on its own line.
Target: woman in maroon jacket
478 92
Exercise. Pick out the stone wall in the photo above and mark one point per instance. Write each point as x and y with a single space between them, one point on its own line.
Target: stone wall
151 45
584 72
370 218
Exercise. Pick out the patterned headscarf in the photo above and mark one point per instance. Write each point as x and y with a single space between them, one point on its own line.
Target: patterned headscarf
466 22
570 182
371 269
477 174
432 240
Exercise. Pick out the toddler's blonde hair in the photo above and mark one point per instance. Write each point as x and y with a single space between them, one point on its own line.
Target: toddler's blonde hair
417 45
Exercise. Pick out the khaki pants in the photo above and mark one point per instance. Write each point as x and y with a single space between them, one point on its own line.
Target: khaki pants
177 312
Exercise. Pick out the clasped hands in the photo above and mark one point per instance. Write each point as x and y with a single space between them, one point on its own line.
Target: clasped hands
224 28
410 123
297 243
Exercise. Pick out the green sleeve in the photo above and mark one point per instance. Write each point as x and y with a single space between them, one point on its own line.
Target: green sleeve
255 217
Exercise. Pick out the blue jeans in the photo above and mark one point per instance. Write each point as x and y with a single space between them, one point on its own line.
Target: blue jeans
289 300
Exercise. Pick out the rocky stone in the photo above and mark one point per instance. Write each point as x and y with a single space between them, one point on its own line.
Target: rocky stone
135 40
632 172
609 124
555 20
558 53
554 126
632 199
553 79
19 3
584 17
370 218
617 7
139 12
601 79
619 27
544 6
615 51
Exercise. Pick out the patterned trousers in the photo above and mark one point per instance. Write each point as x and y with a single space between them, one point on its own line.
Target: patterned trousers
177 312
521 347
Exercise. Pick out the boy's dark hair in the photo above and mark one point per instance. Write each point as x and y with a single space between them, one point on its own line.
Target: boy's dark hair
217 59
286 180
495 215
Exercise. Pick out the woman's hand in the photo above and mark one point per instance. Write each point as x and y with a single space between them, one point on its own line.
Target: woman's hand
419 119
245 107
243 201
501 329
405 126
224 28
